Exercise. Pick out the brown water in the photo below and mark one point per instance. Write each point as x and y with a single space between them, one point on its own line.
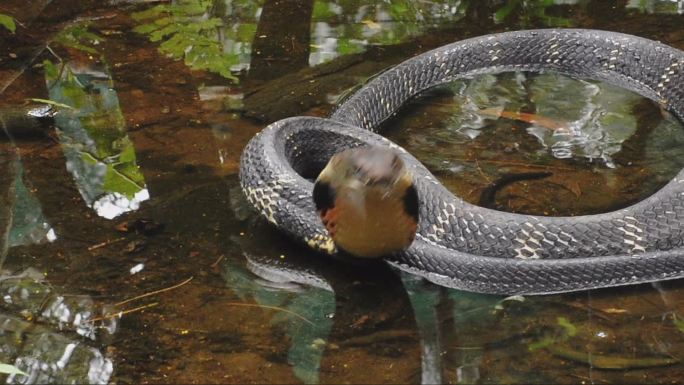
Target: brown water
130 255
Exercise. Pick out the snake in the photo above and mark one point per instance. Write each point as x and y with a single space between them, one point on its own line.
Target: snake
464 246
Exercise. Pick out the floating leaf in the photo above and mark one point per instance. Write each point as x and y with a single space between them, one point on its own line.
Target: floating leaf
8 22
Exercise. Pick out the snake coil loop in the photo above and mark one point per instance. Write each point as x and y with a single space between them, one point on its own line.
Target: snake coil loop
472 248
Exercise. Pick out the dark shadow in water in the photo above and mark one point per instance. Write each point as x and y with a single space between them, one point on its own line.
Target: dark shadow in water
282 40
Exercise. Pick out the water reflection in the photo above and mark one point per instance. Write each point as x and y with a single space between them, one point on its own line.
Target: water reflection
657 6
307 302
28 223
21 217
33 345
208 35
100 156
592 125
594 147
220 36
471 338
53 358
346 27
530 12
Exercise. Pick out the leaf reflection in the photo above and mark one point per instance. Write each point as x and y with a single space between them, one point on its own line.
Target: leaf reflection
194 30
100 156
44 355
657 6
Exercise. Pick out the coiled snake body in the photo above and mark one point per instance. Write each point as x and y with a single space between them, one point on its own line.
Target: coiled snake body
469 247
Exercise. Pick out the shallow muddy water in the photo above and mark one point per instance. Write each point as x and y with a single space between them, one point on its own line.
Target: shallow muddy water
129 254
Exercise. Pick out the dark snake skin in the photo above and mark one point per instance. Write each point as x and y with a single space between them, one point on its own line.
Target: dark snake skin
472 248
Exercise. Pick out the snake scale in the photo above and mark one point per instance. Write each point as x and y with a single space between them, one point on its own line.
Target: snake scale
468 247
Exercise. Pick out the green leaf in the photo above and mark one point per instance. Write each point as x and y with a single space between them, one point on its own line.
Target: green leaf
8 22
51 71
77 36
570 329
679 324
542 343
116 181
127 154
503 13
322 11
150 13
11 369
186 32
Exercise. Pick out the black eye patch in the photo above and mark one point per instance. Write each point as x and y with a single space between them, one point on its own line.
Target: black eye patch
411 202
323 196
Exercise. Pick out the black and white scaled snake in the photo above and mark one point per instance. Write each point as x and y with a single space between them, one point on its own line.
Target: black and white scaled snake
469 247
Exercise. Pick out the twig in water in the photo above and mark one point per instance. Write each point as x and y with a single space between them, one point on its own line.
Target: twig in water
121 313
105 243
154 292
217 261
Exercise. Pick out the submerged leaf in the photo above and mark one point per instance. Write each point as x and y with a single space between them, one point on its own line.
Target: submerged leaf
8 22
570 329
679 324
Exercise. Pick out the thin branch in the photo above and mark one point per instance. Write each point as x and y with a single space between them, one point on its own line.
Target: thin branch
105 243
121 313
154 292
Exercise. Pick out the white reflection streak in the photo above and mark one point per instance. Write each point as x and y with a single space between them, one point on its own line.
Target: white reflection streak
137 268
66 356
